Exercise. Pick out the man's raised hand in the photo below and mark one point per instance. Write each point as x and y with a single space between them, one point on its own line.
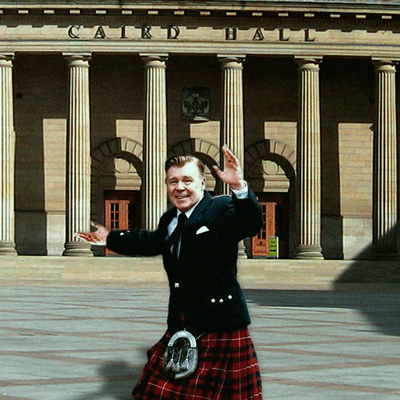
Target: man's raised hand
232 174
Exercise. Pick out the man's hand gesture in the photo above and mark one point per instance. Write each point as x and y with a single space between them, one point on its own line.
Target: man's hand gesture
97 238
232 174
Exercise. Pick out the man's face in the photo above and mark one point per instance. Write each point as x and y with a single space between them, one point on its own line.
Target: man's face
185 186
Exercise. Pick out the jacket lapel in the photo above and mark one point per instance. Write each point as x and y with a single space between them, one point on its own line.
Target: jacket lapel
166 220
198 211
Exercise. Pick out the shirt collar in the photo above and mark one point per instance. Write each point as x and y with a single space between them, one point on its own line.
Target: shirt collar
189 212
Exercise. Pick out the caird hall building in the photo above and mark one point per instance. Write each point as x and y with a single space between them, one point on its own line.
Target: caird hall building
95 95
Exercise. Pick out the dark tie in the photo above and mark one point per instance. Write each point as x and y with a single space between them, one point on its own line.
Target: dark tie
175 237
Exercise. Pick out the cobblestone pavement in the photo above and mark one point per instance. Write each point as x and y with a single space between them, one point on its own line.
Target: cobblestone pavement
77 343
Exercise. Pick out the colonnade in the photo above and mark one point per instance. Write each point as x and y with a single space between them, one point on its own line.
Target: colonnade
308 183
385 161
78 155
7 157
308 161
155 140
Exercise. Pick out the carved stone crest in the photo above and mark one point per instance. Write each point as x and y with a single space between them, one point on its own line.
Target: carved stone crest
196 104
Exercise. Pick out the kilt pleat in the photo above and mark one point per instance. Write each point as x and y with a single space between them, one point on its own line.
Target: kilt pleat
227 370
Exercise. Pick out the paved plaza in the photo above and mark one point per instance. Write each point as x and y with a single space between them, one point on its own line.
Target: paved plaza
85 343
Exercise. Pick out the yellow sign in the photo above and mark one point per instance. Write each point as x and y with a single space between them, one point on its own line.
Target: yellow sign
273 247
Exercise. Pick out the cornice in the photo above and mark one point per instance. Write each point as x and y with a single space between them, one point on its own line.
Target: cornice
319 20
230 9
156 47
267 32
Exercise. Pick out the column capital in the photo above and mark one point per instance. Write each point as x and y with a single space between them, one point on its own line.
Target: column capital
231 60
384 64
6 59
78 59
311 63
154 60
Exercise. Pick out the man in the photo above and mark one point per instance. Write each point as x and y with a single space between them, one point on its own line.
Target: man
207 352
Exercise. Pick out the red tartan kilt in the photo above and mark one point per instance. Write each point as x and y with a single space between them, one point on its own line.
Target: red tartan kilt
227 370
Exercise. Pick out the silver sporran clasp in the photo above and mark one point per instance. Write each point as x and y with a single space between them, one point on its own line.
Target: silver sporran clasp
181 355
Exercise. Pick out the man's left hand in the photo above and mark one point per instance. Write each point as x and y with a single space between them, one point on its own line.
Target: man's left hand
97 238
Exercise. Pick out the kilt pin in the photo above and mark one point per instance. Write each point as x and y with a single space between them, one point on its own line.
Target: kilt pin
205 299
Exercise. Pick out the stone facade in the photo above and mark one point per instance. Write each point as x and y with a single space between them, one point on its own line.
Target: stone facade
94 96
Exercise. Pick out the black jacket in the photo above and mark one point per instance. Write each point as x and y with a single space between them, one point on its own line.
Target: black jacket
204 292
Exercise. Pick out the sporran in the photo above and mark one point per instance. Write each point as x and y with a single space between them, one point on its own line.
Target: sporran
181 355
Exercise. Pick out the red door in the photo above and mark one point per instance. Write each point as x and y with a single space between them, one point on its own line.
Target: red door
121 209
260 242
275 209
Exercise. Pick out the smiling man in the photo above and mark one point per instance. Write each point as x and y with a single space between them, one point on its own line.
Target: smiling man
185 181
206 352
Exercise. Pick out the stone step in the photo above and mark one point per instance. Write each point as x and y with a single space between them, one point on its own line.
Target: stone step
138 271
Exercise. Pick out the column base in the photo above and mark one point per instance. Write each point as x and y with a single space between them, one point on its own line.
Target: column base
242 250
309 252
77 249
384 253
7 249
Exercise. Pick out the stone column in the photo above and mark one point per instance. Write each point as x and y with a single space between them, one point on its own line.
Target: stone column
232 100
309 162
154 140
78 156
233 116
7 158
385 162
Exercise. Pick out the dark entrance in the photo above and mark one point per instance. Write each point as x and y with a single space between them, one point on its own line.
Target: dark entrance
275 208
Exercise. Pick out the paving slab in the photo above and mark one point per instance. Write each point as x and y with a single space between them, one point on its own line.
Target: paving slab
85 343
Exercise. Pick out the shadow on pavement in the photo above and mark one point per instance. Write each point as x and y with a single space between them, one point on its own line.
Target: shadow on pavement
382 310
379 263
371 272
119 379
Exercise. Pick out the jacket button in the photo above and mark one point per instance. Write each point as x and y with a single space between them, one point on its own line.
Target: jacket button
176 284
221 300
212 300
230 297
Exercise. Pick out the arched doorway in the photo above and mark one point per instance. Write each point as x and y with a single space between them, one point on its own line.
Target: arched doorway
270 173
116 184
